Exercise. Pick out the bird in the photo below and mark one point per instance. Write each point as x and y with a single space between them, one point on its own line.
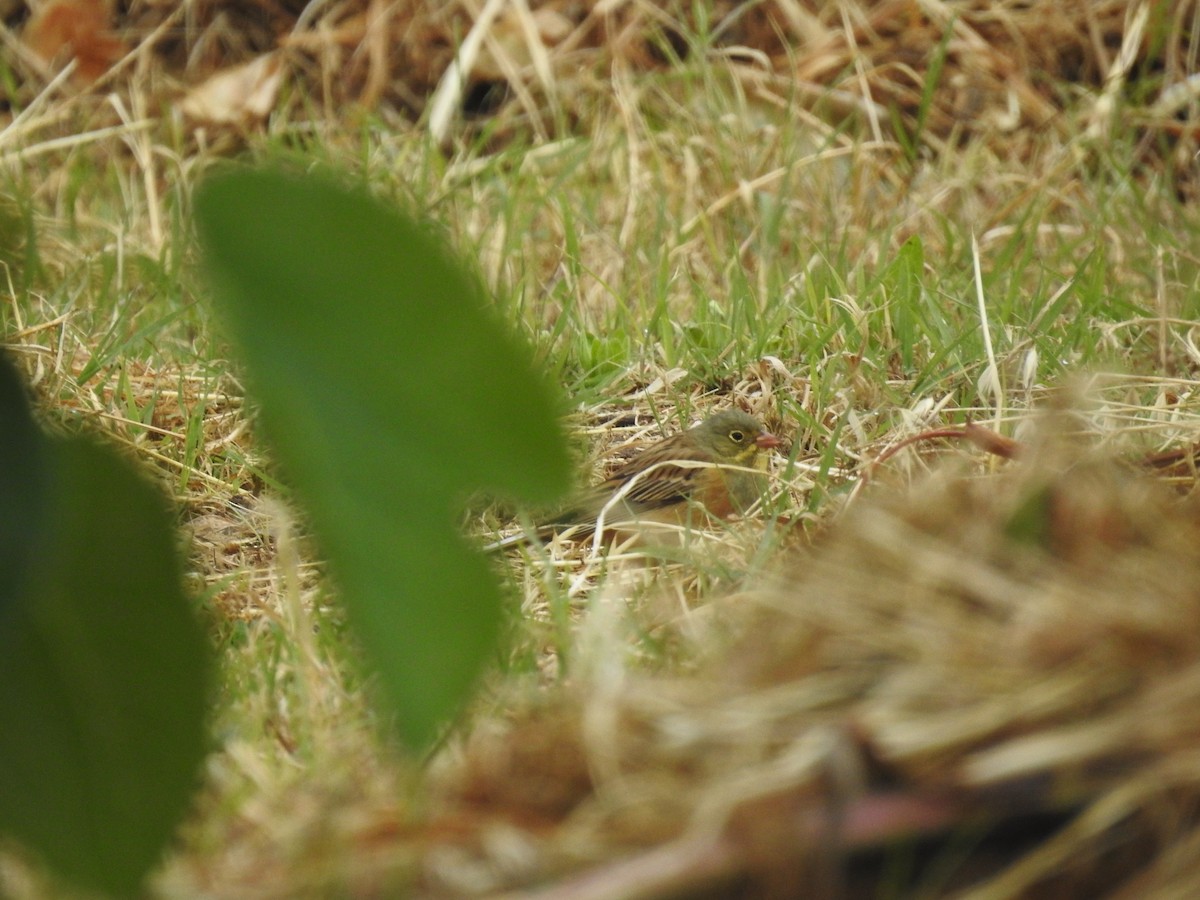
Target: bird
712 468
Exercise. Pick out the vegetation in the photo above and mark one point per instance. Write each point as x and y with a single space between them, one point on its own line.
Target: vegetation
865 225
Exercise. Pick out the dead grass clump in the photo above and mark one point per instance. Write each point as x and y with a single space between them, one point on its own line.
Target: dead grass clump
940 71
987 685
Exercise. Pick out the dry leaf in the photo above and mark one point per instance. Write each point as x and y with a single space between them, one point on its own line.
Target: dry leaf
238 95
75 29
511 39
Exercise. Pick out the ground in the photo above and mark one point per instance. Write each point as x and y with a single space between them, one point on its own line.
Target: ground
947 254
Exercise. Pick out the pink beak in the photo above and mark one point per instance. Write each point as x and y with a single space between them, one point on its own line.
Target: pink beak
767 441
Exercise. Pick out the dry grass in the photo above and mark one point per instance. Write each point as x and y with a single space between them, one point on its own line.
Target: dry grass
1007 663
981 680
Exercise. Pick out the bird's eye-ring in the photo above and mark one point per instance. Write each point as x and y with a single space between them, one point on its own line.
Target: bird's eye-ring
737 436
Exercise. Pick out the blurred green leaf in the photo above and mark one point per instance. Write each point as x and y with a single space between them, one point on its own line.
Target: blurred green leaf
102 664
1032 522
389 391
22 486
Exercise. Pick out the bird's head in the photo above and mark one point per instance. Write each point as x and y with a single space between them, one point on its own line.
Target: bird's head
734 436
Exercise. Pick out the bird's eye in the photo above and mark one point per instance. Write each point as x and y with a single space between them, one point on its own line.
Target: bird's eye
737 436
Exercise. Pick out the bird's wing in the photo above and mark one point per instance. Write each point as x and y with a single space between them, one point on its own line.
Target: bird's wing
665 486
650 481
661 483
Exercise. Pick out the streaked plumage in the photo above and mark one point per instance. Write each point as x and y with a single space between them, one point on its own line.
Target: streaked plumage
658 485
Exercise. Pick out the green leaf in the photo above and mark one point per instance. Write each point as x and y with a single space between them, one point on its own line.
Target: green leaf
1032 522
22 486
103 666
389 390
